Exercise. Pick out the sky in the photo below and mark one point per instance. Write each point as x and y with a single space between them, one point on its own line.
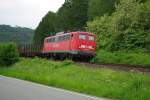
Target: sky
26 13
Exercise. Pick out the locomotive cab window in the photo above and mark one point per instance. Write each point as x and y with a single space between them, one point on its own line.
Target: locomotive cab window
82 36
67 37
63 38
91 38
51 40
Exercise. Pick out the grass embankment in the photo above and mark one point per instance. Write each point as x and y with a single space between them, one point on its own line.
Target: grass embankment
130 58
98 82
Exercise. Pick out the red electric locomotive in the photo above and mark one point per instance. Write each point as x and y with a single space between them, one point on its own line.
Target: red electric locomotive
72 44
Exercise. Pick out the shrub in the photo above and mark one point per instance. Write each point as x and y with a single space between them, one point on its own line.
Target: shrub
100 26
127 28
130 25
8 54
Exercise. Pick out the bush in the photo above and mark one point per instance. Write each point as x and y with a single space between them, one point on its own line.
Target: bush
100 26
131 25
8 54
127 28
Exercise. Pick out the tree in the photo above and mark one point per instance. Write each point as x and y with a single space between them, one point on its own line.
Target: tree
78 14
72 15
100 7
63 16
45 28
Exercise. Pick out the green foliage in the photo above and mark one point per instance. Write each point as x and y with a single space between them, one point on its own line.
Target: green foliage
78 14
72 15
100 26
100 7
131 25
8 54
123 57
45 28
63 22
20 35
127 28
118 85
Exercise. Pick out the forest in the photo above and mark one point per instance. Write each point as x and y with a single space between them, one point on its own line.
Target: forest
19 35
118 24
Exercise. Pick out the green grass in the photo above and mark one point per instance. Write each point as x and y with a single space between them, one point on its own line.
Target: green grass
131 58
118 85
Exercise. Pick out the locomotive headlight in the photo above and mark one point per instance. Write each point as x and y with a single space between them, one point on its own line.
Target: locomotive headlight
91 47
82 46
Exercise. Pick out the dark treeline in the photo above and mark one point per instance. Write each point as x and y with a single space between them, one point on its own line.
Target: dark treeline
118 24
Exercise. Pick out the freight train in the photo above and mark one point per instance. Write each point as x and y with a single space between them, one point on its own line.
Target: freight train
63 45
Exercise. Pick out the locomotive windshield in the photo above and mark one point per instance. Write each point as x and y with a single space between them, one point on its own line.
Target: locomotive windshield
91 38
82 36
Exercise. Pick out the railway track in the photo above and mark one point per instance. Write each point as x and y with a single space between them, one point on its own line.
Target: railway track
123 67
32 50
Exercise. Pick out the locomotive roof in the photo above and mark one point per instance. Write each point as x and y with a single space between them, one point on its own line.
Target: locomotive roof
83 32
76 32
